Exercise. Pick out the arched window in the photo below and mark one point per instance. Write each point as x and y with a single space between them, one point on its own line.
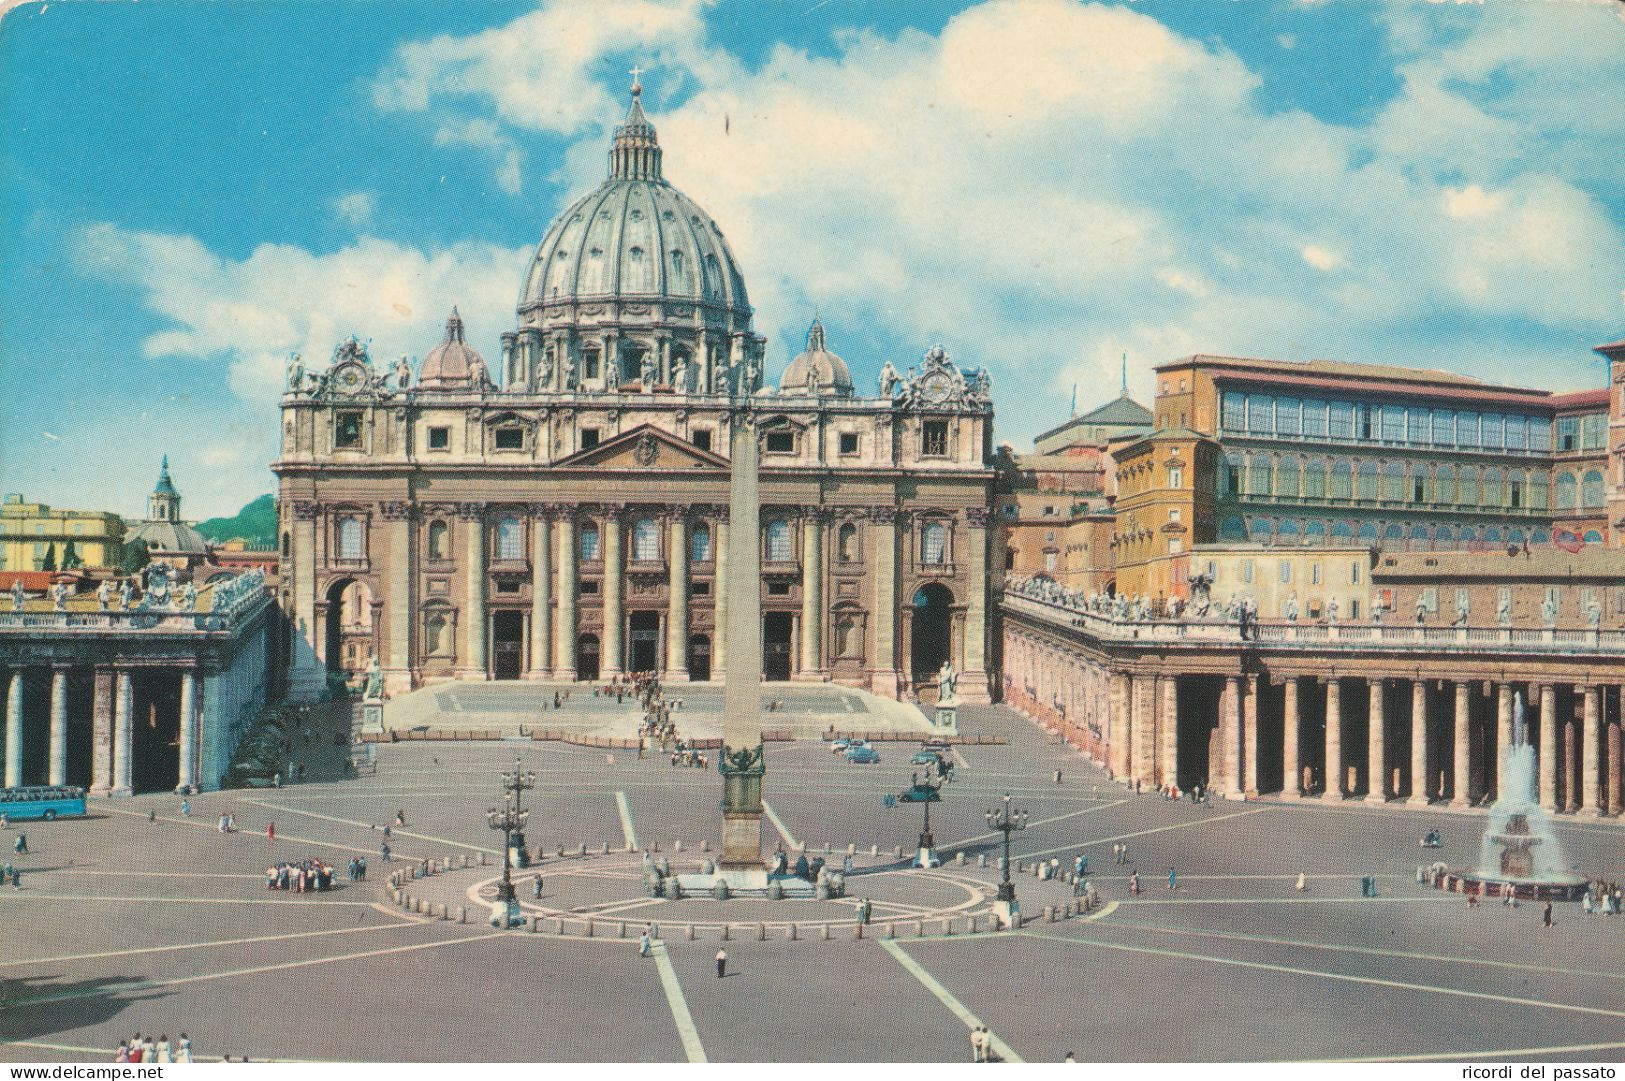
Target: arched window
1491 496
439 541
1342 533
934 544
1258 475
436 634
1540 536
1314 479
846 543
1469 535
1516 536
1566 491
1539 490
1444 484
1342 482
1394 535
1261 531
1591 489
1467 489
778 541
699 543
1230 475
1287 533
350 538
1419 538
1443 538
1286 477
1366 485
1593 537
1492 535
1233 529
588 542
1314 534
510 540
1368 533
1393 482
645 541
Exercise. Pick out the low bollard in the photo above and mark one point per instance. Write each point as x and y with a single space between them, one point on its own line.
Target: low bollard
605 851
761 932
970 928
823 932
981 859
482 859
620 929
891 930
1049 913
558 928
897 852
919 928
688 932
874 850
827 848
705 846
851 848
677 846
959 859
948 927
790 932
1021 867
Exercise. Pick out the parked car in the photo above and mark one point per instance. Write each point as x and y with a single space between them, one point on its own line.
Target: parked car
921 793
925 758
862 753
840 745
844 745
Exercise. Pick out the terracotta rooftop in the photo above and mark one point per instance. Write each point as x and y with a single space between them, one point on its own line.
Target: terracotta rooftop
1543 562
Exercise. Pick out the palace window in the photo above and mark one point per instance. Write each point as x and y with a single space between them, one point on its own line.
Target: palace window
645 541
846 543
1593 431
1444 428
934 439
439 541
1341 425
439 438
512 438
778 541
1314 419
588 542
1176 477
1591 490
589 364
1566 491
1286 477
350 538
1234 411
347 430
510 540
1367 487
699 544
702 438
781 442
849 442
934 544
589 438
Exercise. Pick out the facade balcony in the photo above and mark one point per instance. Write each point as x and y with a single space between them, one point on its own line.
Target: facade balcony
934 570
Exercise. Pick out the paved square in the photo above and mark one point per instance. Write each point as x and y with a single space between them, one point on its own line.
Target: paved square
124 924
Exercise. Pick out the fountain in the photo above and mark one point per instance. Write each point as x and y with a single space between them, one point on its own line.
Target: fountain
1520 851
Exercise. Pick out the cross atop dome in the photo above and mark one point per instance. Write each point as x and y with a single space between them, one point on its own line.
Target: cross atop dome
634 153
637 85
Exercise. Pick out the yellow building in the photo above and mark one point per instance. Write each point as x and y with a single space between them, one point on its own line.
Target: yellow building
1162 509
1289 583
33 536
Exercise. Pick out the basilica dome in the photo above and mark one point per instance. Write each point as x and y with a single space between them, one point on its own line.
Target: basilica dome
817 371
636 237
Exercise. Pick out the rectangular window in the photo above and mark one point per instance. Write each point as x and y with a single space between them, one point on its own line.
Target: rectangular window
1354 573
700 589
934 439
1286 572
1430 599
1467 430
1354 609
347 430
1514 493
849 442
778 589
1260 414
510 439
1175 545
1444 428
1588 597
1288 416
1393 424
439 438
1341 425
1362 420
1568 433
1314 418
1540 434
1246 570
1517 434
1493 431
1593 428
1419 487
589 588
1421 426
1314 574
1235 411
702 438
781 442
1049 561
589 364
589 438
1464 600
1176 477
1173 514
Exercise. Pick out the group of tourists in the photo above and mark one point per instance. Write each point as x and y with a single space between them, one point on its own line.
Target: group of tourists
1602 898
140 1048
1195 793
684 755
303 875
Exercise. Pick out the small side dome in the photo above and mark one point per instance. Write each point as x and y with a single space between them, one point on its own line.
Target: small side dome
452 364
817 371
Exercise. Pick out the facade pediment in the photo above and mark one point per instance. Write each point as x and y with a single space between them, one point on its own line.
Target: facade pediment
645 447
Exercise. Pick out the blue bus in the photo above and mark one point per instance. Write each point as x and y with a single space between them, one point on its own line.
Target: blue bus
41 801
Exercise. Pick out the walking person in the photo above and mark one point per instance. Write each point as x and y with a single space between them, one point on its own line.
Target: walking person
186 808
722 962
1303 882
20 846
183 1050
978 1053
161 1052
1173 879
643 943
270 831
1546 914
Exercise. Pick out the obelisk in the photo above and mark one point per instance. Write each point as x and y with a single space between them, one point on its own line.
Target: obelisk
741 759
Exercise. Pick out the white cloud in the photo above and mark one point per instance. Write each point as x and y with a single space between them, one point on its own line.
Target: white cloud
1321 258
356 207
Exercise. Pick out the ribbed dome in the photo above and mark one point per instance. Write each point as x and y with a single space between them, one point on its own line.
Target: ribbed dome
817 368
636 236
451 363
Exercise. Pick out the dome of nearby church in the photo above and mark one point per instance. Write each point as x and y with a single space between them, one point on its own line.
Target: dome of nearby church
450 364
817 370
163 531
636 237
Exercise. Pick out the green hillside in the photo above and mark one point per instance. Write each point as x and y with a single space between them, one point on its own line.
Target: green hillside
255 523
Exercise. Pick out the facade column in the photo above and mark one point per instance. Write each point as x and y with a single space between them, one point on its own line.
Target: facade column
1459 782
1291 770
189 732
883 676
614 581
1122 689
1334 740
1145 725
1419 743
398 606
14 729
123 733
677 599
1249 735
1591 744
564 638
1168 687
541 593
1376 763
101 733
1548 747
473 666
1503 730
719 589
307 679
812 596
973 682
58 774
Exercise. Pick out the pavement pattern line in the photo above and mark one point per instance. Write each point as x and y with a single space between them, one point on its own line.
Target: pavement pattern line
1039 822
137 986
395 831
1196 932
1344 977
1444 898
99 873
626 820
1144 833
778 824
200 945
947 998
29 895
280 838
679 1004
1111 906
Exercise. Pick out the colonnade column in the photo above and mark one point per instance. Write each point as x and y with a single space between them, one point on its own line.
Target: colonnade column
973 683
1548 747
1503 730
397 660
101 732
812 596
188 750
564 631
123 733
541 593
1591 739
1419 742
473 666
14 729
1249 735
1122 695
1291 769
1376 763
883 676
614 577
1334 740
1168 687
719 587
677 600
1459 783
58 774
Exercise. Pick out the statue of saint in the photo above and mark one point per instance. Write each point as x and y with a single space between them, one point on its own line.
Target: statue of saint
1463 607
59 596
646 372
612 375
1421 609
104 595
124 592
374 688
403 373
569 370
18 594
719 375
478 376
1593 614
946 681
1548 611
1503 609
1290 610
296 373
544 370
888 381
1331 611
679 374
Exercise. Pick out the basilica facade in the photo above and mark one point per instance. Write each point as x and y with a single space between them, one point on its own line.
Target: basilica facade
561 513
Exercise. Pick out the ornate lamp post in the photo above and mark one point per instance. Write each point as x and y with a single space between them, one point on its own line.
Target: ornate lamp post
1007 820
927 793
510 820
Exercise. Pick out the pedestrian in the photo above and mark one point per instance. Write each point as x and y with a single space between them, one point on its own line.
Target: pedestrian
162 1051
1173 881
361 868
400 818
1134 882
186 808
1303 882
643 944
123 1054
977 1051
722 962
183 1050
1546 913
270 831
536 886
16 878
20 846
1057 776
383 850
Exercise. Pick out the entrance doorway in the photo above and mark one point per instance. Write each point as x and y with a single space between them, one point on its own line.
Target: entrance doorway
507 644
932 617
587 658
778 629
645 639
699 658
348 631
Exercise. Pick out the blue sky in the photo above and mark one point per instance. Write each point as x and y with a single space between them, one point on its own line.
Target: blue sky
190 191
